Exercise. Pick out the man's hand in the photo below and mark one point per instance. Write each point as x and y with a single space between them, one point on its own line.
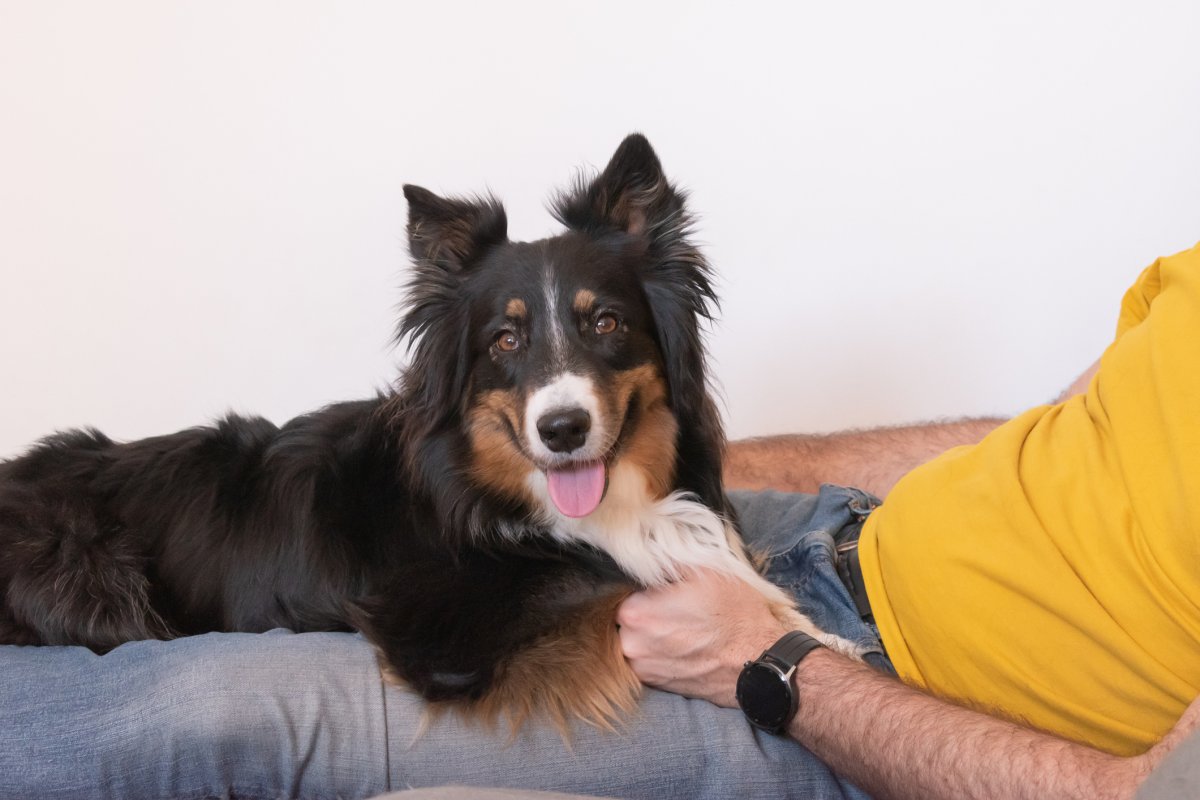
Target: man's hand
692 637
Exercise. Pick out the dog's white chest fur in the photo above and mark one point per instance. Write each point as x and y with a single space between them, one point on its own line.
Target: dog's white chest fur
652 540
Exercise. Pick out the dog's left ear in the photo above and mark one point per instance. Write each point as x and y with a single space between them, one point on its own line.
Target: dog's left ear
632 195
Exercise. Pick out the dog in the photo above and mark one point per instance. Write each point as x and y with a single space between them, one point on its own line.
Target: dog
551 447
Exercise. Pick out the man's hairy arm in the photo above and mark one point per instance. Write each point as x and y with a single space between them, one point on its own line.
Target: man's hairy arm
692 638
872 460
896 742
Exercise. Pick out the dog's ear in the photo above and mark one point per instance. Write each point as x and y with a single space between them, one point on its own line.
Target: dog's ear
632 195
451 233
678 297
446 237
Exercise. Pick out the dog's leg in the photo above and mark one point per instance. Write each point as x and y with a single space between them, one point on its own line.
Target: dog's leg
782 606
786 612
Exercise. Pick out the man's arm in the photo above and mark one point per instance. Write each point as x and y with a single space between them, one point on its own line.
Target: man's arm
897 742
692 638
1081 383
872 460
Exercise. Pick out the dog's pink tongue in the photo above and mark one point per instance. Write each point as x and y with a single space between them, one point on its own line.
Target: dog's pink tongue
576 491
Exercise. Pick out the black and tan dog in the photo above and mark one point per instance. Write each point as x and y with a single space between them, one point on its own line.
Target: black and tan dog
551 447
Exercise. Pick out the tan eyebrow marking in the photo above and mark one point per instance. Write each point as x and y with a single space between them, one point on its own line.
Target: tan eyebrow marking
515 309
584 300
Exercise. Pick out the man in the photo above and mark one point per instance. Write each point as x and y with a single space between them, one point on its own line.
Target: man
1098 645
1048 575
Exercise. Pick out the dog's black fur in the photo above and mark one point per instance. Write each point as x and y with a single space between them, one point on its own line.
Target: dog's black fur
371 514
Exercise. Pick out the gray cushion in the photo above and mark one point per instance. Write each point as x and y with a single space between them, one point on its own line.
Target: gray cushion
471 793
1178 776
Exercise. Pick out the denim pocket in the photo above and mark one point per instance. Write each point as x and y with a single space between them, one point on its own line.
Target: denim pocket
798 535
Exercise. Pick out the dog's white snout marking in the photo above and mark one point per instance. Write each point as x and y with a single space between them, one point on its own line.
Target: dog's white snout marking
571 398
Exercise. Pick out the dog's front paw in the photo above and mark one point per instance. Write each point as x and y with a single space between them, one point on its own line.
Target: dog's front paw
796 621
843 646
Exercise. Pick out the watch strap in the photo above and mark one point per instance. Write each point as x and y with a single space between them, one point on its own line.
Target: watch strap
791 648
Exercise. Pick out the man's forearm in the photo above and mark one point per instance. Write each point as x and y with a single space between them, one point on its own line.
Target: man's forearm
896 742
872 460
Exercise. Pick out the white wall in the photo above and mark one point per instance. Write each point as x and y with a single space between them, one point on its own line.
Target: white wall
918 209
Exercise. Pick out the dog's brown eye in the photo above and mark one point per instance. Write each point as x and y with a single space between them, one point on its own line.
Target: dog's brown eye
507 341
607 323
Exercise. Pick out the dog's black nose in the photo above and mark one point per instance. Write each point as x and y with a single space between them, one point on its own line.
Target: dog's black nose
564 431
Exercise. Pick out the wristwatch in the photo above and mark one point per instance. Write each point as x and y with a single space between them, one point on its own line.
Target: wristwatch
764 689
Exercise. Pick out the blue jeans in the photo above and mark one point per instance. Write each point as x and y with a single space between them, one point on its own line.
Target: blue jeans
306 715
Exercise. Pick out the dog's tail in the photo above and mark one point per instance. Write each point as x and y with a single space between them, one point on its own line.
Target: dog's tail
72 578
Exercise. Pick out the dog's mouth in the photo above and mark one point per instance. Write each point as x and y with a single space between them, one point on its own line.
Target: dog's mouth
577 489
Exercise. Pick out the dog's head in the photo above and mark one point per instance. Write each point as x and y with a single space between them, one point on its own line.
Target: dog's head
557 361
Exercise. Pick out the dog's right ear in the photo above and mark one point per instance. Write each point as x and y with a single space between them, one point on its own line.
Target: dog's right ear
451 233
446 236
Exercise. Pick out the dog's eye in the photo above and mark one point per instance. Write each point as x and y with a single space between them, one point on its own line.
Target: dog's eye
507 341
606 323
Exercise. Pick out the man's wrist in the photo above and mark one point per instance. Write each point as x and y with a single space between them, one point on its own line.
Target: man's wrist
765 688
754 644
819 664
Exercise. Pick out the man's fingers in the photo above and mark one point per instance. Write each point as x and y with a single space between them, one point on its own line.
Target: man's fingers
630 610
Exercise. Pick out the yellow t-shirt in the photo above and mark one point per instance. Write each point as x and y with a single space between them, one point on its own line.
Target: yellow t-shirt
1052 571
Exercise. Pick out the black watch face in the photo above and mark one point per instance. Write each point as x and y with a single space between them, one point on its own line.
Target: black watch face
765 696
